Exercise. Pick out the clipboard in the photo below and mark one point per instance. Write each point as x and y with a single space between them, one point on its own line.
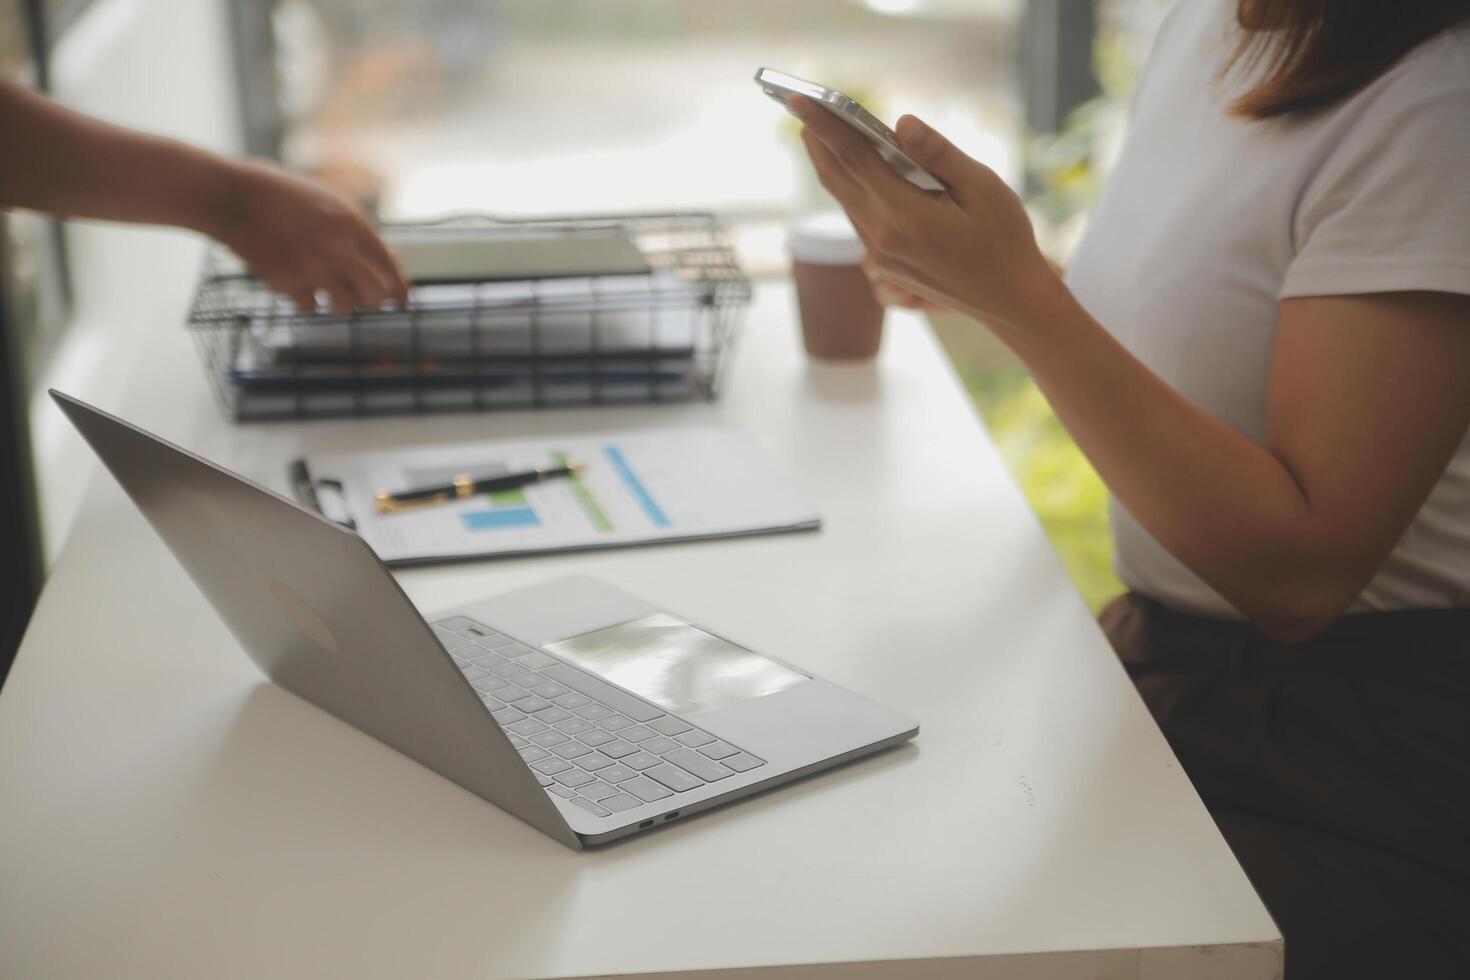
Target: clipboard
638 487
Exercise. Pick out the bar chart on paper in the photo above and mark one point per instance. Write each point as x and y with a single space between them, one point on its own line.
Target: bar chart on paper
633 488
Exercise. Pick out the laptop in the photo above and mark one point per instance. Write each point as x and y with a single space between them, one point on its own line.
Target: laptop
587 712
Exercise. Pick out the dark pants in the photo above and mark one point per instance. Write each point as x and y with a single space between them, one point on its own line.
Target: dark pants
1337 769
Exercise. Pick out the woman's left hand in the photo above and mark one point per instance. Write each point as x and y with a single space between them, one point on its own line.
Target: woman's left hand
970 248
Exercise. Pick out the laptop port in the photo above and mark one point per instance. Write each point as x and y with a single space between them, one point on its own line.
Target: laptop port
670 816
646 823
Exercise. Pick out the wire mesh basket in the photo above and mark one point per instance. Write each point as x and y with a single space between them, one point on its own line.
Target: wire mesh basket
659 335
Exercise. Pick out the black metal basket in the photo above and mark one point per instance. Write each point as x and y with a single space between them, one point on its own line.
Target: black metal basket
487 344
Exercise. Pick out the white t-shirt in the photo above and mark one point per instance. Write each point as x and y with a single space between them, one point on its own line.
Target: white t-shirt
1208 221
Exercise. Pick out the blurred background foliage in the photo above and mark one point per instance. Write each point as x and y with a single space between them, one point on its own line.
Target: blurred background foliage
1066 172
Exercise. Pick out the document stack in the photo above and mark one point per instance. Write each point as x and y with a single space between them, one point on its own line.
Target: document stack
502 314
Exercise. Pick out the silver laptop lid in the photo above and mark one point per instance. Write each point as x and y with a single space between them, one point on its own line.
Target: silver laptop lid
318 613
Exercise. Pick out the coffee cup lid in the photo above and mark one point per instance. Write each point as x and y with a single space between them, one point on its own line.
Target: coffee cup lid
825 238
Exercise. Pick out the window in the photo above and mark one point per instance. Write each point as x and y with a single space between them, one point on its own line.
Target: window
525 107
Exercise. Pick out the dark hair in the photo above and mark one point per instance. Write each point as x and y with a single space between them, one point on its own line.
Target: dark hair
1313 52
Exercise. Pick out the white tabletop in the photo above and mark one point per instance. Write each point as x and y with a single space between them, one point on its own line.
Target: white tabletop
165 812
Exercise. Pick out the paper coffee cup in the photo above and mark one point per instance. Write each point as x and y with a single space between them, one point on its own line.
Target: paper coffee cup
840 318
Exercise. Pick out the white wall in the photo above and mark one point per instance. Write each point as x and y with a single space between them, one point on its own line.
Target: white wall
164 66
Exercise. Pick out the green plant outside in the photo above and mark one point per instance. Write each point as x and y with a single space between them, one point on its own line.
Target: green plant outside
1057 481
1061 486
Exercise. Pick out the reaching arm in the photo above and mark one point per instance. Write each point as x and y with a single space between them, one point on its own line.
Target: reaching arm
297 236
1368 395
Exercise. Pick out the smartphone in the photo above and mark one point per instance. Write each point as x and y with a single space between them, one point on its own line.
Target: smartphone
780 86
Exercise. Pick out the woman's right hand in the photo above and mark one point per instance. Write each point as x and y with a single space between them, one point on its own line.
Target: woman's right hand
889 293
302 238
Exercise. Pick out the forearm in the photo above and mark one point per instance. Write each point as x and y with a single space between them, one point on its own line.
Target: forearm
1225 506
64 163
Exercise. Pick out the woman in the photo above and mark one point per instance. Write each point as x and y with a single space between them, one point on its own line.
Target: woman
1263 346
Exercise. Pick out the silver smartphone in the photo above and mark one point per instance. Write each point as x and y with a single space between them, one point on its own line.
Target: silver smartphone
780 86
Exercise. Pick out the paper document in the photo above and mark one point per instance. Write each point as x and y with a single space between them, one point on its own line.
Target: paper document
638 487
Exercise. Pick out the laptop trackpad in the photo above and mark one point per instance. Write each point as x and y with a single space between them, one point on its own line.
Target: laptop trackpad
676 665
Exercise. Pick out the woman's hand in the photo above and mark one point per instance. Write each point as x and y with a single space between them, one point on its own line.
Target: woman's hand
297 236
301 238
889 293
970 248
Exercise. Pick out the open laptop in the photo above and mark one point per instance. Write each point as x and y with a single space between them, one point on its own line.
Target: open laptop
584 711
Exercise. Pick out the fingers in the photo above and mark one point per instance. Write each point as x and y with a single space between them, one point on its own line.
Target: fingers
855 154
930 150
301 294
372 249
341 296
837 179
372 283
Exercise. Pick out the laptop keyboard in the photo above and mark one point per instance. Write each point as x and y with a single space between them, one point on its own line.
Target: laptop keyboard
587 741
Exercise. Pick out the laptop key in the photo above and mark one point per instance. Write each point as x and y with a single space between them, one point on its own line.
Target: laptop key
552 715
516 650
532 704
549 738
575 726
570 700
613 697
594 761
506 716
470 672
552 691
532 753
526 727
574 778
490 684
516 740
551 766
694 738
537 659
488 661
615 723
510 669
615 773
618 749
592 808
742 762
449 639
597 737
563 792
621 802
668 726
457 623
597 790
637 733
645 789
535 682
658 746
511 693
718 750
640 761
570 750
543 780
706 769
675 779
593 711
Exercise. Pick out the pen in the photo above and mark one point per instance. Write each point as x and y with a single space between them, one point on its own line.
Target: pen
464 485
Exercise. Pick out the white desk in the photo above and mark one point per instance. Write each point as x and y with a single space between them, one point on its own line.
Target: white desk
165 813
